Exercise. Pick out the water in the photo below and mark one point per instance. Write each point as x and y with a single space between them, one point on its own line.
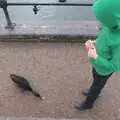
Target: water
25 13
50 15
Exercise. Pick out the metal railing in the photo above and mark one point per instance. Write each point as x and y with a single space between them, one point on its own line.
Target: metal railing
4 4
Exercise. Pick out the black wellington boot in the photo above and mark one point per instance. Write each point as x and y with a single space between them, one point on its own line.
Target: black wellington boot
83 105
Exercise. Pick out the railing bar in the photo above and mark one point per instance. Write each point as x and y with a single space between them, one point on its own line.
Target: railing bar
49 4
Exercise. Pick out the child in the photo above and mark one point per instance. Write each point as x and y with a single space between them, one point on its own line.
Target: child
104 53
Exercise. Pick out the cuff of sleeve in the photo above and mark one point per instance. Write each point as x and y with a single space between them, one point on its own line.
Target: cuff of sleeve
99 60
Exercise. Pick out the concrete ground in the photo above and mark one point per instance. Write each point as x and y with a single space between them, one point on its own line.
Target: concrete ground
60 71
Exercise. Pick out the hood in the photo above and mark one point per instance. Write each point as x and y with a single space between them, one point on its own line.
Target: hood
107 12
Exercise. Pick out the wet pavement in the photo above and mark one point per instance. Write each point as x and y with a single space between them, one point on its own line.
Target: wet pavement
59 72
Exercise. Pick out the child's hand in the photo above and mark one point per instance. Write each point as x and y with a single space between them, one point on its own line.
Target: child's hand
92 53
89 44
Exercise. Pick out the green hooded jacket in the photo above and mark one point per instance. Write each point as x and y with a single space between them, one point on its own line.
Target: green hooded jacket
107 43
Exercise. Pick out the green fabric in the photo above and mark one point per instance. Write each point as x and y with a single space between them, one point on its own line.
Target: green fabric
108 42
107 12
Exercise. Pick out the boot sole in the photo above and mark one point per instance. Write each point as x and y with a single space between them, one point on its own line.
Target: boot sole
82 108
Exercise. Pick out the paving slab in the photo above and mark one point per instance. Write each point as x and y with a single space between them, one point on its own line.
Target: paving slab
60 72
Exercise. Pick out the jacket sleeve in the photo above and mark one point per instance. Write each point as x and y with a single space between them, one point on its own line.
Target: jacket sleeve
109 65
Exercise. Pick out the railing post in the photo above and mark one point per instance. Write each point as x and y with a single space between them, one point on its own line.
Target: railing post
3 5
